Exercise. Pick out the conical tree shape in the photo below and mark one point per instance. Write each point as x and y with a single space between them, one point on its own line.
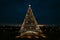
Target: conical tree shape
29 26
29 20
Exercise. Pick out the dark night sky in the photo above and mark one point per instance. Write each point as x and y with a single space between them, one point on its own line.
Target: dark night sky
45 11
